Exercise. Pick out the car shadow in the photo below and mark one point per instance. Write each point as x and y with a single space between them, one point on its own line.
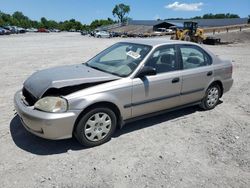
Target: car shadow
150 121
39 146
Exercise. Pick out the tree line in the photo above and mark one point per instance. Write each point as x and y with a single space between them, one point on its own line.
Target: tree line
210 16
217 16
20 20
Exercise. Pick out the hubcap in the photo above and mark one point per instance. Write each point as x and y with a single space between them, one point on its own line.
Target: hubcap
97 126
213 96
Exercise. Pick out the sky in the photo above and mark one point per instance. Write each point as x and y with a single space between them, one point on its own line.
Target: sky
86 11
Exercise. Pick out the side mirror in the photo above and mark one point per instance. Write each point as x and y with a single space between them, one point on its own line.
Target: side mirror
146 71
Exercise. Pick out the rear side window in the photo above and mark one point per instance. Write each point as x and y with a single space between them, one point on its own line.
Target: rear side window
193 57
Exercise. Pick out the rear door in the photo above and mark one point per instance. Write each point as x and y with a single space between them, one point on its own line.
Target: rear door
161 91
197 72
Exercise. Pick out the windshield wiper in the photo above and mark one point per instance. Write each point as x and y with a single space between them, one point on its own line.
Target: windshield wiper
97 68
86 64
93 67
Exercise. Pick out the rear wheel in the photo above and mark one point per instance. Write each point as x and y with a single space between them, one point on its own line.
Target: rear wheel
96 127
211 98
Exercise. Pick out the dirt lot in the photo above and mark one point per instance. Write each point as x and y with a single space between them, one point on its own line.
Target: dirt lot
186 148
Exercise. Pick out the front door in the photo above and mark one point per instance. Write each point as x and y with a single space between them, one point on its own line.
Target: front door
161 91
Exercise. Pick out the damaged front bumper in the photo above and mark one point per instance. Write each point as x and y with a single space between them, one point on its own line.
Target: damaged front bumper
47 125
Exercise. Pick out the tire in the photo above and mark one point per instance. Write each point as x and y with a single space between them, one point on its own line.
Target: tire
173 37
96 127
187 38
211 98
200 40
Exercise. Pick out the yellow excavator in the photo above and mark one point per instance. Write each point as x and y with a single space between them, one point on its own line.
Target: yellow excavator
190 32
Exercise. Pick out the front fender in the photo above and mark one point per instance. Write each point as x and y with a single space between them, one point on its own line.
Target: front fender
85 101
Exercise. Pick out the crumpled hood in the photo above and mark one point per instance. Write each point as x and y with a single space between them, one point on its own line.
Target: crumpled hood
39 82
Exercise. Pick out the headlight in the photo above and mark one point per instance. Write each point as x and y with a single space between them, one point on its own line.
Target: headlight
52 104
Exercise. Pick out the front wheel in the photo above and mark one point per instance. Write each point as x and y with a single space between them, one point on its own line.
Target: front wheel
96 127
211 98
173 37
187 38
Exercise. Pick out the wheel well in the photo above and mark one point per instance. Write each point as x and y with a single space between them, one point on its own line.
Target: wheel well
219 83
109 105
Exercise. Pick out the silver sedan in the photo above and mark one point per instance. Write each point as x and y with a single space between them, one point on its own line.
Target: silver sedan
127 81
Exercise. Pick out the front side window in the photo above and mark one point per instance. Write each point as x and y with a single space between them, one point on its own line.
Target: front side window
163 59
193 57
121 59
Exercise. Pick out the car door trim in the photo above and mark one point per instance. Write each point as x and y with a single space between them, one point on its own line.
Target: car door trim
192 91
161 98
150 100
159 112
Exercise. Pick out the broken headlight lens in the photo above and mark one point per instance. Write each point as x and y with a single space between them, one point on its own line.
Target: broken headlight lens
52 104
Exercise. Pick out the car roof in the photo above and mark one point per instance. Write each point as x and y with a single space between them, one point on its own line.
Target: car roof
157 41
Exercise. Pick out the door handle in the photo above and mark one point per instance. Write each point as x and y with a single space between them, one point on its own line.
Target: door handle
209 73
175 80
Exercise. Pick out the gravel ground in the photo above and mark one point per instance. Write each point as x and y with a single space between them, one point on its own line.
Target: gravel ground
185 148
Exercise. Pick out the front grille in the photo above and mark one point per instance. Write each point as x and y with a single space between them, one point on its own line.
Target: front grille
29 98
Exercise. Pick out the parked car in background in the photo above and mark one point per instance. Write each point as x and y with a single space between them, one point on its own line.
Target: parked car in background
7 32
84 33
55 30
14 29
161 31
32 30
10 28
4 31
127 81
102 34
1 31
43 30
21 30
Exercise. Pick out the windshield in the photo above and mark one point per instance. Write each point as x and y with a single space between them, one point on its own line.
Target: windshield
121 59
